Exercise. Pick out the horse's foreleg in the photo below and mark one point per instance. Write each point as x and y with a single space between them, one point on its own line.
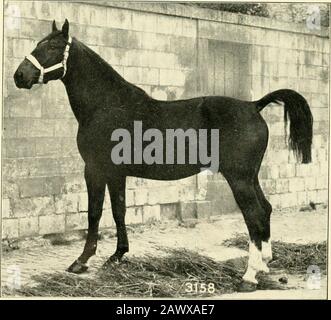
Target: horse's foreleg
117 197
96 193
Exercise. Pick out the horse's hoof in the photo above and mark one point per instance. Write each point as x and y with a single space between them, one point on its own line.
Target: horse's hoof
114 259
266 259
246 286
264 268
77 267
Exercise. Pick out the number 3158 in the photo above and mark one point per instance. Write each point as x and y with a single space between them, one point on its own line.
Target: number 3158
197 287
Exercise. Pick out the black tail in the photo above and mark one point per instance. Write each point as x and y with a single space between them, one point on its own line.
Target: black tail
297 110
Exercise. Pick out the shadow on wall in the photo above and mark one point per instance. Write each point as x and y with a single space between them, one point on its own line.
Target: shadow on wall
177 93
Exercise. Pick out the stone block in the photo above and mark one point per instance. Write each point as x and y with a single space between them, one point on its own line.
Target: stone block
141 196
47 146
127 39
163 195
288 200
99 17
143 21
204 209
221 196
322 182
9 228
71 12
65 128
169 211
9 189
65 203
51 224
287 170
140 75
32 207
134 215
169 25
302 198
282 185
28 227
322 196
35 128
82 202
155 42
297 184
172 77
310 183
20 148
312 196
76 221
119 18
33 187
269 186
5 209
187 210
187 193
129 198
9 128
151 213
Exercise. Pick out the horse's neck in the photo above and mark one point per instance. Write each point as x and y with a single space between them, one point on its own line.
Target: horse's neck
91 86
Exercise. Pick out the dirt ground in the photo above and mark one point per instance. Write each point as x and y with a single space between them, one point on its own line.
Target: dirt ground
205 237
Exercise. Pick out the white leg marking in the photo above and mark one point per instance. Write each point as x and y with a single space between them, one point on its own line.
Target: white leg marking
254 260
266 251
249 275
255 264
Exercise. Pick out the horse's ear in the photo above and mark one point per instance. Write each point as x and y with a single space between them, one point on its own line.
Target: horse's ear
54 28
65 28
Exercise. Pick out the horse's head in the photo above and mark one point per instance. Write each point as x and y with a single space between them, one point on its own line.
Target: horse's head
48 61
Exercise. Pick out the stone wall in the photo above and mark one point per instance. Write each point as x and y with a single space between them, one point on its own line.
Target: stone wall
162 48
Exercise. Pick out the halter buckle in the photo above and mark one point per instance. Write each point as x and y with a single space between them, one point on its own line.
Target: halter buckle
41 76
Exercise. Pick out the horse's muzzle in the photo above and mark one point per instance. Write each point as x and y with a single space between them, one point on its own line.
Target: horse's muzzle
21 82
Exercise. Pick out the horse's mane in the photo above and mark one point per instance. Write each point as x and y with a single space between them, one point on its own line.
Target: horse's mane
107 70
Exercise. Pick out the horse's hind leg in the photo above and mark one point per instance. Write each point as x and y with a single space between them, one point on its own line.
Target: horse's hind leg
243 189
96 192
117 197
266 240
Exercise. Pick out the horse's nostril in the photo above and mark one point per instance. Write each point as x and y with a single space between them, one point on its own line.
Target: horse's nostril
19 78
18 75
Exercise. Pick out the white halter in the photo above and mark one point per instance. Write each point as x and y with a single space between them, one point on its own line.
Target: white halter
59 65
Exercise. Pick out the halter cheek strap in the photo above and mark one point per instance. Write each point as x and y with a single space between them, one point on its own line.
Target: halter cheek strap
59 65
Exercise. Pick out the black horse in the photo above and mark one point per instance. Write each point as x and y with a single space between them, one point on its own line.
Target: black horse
103 101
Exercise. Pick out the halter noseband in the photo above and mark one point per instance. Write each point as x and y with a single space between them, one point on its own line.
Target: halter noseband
59 65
